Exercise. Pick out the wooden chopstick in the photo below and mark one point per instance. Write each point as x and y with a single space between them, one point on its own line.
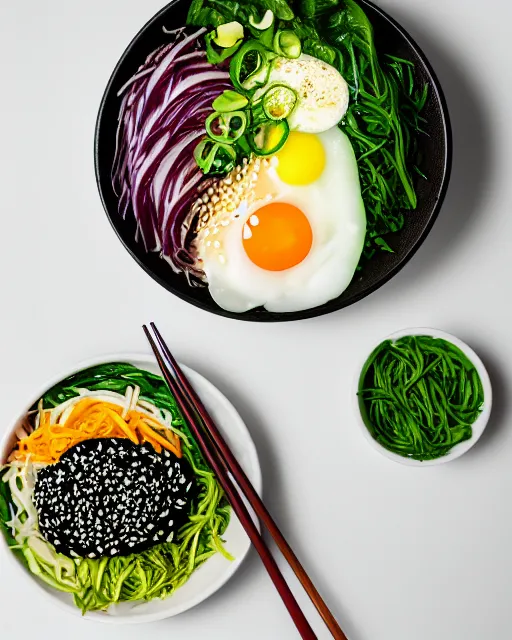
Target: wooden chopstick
232 465
235 500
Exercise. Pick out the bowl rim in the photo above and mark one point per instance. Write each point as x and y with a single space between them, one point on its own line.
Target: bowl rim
478 426
126 618
332 305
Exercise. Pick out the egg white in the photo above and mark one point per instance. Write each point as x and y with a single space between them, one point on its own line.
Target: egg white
322 92
335 210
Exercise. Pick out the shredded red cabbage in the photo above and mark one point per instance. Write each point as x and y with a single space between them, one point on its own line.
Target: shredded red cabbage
161 120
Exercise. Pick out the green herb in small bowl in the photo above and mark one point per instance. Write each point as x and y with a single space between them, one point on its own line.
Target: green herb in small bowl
424 397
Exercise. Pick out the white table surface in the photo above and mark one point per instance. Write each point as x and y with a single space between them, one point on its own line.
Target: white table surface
400 553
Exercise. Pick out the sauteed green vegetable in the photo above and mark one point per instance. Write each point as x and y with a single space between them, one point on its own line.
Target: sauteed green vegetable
419 396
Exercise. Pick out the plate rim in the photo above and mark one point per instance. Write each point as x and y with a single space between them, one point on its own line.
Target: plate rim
249 446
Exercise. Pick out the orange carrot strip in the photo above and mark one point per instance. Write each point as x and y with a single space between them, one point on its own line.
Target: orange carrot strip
148 431
152 422
123 425
80 408
156 446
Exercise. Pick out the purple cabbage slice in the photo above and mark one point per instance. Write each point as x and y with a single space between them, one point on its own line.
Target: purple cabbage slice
161 120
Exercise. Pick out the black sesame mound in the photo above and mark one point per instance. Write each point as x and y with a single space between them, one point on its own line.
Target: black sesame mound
110 497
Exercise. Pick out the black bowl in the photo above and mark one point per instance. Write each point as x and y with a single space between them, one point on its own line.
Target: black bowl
435 149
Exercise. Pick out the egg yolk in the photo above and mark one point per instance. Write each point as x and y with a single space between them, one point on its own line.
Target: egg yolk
302 159
277 237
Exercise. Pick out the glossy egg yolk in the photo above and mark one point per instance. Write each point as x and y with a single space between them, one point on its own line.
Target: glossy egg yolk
277 237
301 161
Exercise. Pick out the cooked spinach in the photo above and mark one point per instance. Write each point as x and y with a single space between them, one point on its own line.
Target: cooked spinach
211 13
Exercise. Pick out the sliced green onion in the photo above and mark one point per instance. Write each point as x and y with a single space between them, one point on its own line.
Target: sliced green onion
213 55
230 101
267 38
243 146
279 101
263 31
251 54
214 157
265 23
269 137
226 128
227 35
287 44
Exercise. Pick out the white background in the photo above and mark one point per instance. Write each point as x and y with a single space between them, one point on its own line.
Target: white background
400 553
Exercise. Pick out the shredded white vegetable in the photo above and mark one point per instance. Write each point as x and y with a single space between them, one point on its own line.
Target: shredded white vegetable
129 402
22 481
55 569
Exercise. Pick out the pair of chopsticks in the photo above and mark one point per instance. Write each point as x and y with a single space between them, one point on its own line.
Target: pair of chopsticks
224 464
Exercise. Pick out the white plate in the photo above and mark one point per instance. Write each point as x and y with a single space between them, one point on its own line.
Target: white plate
216 571
478 426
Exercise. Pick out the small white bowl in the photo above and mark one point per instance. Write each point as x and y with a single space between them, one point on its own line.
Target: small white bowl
216 571
478 426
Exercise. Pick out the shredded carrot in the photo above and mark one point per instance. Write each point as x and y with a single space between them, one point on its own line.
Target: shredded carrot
144 423
157 447
123 425
148 432
89 419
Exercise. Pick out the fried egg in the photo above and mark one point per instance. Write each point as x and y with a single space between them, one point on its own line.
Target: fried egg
285 233
322 92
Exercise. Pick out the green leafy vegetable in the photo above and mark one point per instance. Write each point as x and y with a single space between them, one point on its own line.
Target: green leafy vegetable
206 13
383 118
204 16
383 244
230 101
280 8
419 396
316 8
